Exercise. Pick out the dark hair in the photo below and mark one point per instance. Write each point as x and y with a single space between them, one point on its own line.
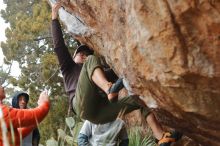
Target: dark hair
26 96
16 96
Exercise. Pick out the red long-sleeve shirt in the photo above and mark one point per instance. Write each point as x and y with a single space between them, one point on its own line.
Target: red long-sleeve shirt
22 120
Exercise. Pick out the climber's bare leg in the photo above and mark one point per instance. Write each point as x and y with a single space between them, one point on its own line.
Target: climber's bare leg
152 122
155 126
100 80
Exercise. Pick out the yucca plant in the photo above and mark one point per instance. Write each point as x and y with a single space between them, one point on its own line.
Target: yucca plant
67 137
136 137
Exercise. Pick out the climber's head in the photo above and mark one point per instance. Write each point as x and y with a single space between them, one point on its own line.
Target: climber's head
81 54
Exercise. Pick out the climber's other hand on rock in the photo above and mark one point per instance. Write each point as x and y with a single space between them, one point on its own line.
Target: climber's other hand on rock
55 9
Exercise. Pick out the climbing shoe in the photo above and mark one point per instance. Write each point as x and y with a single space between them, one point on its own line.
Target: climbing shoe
169 137
114 89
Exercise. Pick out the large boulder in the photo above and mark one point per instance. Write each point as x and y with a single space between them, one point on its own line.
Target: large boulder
167 50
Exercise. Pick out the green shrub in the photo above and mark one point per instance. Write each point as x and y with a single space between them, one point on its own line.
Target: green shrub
67 136
137 138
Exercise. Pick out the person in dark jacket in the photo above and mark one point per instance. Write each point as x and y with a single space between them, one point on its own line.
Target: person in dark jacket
18 123
20 101
91 95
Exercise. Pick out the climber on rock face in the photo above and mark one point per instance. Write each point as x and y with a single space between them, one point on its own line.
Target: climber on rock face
92 93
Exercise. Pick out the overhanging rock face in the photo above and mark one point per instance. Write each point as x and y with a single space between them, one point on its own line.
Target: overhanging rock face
167 50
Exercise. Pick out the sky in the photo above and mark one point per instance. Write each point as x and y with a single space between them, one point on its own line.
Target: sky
15 68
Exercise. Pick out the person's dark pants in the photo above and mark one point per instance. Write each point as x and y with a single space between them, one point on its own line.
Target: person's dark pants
90 103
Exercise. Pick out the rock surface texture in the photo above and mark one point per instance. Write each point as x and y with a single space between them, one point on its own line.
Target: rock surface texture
169 53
